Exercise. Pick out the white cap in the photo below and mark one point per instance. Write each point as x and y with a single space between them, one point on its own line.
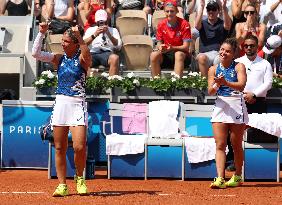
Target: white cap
101 15
272 43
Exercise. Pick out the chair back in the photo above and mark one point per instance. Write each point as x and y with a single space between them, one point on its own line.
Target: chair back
197 120
53 43
137 50
131 22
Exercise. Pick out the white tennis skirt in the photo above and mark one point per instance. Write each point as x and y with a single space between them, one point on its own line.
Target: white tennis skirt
230 110
69 111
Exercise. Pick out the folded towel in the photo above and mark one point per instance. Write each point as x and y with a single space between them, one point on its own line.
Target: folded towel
125 144
200 149
163 118
134 118
270 123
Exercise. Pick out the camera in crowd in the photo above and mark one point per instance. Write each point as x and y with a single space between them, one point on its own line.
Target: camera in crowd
101 23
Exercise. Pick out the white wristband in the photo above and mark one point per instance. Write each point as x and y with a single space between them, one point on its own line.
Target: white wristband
215 86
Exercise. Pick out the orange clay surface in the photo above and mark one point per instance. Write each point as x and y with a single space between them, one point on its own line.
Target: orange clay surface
28 187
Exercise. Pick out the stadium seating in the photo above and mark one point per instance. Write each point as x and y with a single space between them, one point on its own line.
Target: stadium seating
14 49
131 22
53 43
137 45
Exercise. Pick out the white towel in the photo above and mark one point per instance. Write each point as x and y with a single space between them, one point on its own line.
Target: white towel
270 123
200 149
163 118
124 144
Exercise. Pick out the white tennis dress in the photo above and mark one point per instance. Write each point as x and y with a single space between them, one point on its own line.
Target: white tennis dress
230 105
70 107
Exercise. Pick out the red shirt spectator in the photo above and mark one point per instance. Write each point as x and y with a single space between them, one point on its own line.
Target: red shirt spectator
174 36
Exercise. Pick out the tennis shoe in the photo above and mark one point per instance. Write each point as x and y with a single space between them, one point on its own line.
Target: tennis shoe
61 190
218 183
234 181
81 187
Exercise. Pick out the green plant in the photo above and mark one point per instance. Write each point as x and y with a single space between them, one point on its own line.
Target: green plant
277 82
168 84
192 80
97 84
46 80
129 83
159 84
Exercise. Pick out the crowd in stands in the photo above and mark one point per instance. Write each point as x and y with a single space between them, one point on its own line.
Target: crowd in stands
211 22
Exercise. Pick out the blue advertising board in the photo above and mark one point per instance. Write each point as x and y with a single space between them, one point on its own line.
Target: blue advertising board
21 145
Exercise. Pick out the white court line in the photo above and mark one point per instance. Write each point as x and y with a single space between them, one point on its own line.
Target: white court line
164 194
112 193
22 192
225 195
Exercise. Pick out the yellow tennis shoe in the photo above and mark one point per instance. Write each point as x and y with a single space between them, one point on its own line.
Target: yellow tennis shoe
81 187
234 181
61 190
218 183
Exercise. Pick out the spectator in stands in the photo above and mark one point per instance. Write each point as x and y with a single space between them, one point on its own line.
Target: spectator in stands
19 7
131 4
229 116
152 5
103 41
272 12
273 48
87 10
213 31
276 29
173 36
195 6
60 13
69 112
251 26
238 8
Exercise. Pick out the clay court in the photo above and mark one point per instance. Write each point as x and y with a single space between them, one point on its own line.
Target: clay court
28 187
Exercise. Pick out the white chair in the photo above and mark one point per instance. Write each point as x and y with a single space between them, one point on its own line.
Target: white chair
198 125
261 159
165 154
131 165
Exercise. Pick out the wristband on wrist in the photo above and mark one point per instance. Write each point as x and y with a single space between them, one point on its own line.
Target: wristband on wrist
215 86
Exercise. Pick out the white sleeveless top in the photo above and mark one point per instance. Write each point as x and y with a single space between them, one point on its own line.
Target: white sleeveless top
61 7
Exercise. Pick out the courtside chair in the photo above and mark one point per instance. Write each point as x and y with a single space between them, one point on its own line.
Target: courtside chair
124 166
261 159
165 156
136 50
198 125
131 22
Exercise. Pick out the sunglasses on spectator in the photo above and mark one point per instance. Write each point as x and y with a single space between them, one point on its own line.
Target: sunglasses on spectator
249 45
249 12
